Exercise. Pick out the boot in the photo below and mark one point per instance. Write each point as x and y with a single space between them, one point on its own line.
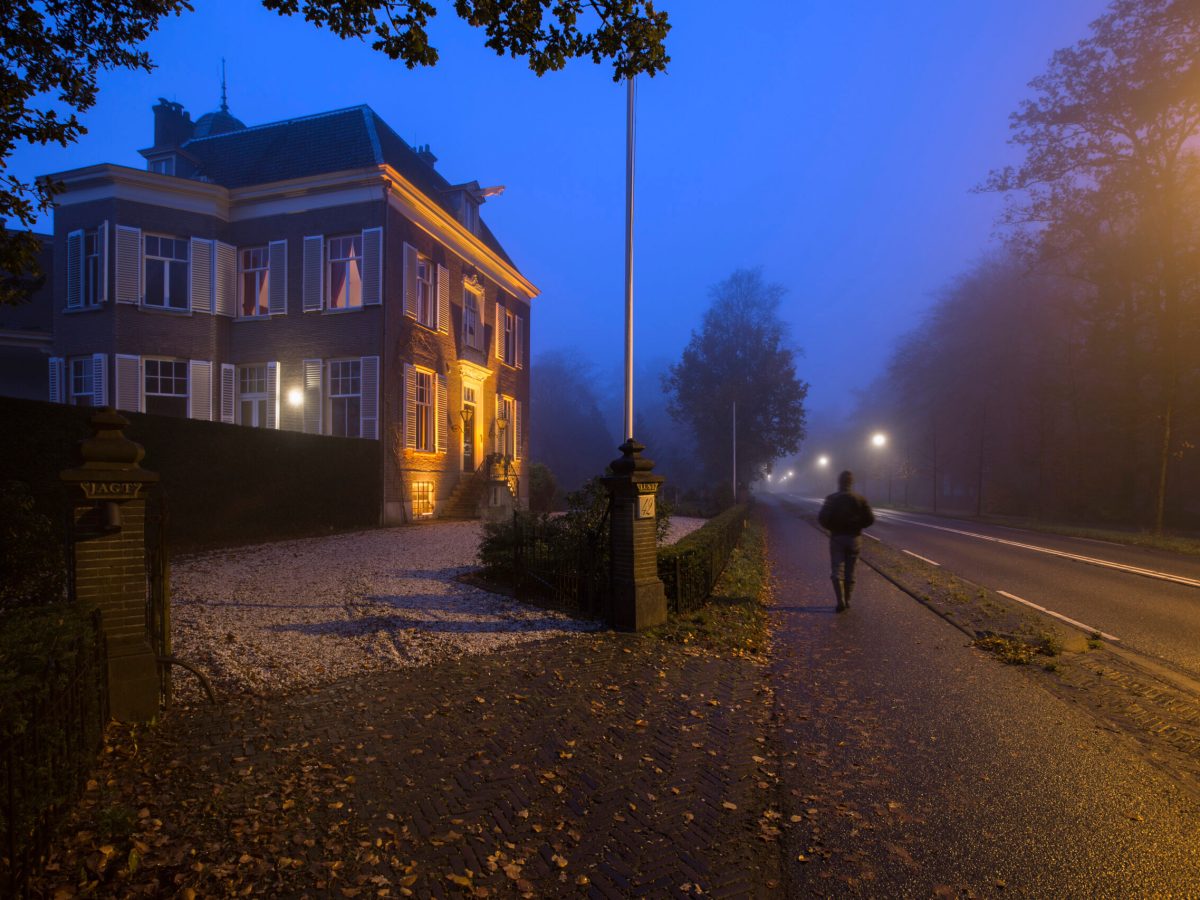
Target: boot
847 588
837 591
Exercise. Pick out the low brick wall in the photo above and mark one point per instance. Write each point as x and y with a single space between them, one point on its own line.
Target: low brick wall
224 484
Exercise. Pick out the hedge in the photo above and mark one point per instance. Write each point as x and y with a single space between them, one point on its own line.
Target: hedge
690 568
224 484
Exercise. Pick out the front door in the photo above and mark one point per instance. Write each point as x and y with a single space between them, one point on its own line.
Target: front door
468 437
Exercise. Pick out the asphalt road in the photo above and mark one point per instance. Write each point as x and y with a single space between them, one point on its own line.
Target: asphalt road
914 765
1089 581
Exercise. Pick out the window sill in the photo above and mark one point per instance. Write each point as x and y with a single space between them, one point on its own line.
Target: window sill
342 312
76 310
171 311
265 318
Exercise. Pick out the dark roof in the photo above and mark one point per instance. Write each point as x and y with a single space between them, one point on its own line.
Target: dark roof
335 141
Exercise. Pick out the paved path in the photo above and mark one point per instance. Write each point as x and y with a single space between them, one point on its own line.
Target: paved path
919 766
602 766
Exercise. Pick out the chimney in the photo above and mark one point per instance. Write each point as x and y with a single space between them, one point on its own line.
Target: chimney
172 126
426 155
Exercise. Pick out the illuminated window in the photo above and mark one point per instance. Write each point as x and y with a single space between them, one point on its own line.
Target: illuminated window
254 281
424 381
345 272
422 499
472 333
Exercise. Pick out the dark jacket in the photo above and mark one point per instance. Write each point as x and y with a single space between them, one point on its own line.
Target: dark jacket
846 513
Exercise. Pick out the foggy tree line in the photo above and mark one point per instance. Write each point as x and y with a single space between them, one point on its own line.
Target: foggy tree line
1062 376
683 410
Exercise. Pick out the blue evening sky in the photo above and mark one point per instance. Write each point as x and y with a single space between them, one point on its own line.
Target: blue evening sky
833 143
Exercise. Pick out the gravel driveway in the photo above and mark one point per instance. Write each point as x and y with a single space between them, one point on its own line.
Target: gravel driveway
275 618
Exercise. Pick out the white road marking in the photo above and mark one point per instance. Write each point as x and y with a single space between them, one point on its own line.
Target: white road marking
921 558
1088 628
871 536
1090 560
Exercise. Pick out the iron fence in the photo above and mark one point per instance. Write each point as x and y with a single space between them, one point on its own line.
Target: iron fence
689 570
560 566
48 742
158 590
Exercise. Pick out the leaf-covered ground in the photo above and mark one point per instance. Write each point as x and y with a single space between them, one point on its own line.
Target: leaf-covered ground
603 763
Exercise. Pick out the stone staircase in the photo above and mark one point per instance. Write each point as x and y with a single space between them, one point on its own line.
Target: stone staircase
463 502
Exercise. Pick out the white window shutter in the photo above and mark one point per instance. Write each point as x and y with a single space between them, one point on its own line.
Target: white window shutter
99 379
128 393
518 427
499 329
518 341
228 393
314 275
57 388
129 265
368 401
201 265
410 406
410 281
200 389
273 395
313 398
74 270
277 276
225 279
443 299
372 259
102 269
443 420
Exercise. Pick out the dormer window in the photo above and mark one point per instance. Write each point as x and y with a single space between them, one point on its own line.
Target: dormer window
469 214
163 165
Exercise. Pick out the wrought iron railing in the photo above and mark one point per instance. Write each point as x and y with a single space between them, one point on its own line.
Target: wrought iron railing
48 742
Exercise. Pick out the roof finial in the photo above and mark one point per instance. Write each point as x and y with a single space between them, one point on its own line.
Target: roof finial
224 101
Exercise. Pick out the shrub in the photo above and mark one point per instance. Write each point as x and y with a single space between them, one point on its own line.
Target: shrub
690 569
32 550
542 488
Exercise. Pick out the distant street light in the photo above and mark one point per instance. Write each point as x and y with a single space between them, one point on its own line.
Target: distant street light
879 439
823 462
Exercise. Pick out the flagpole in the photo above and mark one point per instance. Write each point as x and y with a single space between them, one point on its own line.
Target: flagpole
629 129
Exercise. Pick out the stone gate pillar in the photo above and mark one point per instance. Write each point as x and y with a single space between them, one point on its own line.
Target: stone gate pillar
638 598
108 522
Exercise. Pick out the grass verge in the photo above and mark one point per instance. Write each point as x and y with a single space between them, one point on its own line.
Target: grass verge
1173 543
734 621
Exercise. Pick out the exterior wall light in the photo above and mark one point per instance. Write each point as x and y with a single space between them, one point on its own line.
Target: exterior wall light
295 397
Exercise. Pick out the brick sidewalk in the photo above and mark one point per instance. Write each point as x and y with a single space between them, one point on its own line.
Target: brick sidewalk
606 766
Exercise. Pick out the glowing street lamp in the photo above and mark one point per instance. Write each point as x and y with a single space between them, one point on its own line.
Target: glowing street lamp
823 461
879 440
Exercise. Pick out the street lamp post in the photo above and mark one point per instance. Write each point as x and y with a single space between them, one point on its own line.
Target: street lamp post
879 439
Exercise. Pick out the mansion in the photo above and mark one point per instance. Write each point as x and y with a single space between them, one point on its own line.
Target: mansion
316 274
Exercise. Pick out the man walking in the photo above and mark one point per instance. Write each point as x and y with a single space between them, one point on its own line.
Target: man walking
844 515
